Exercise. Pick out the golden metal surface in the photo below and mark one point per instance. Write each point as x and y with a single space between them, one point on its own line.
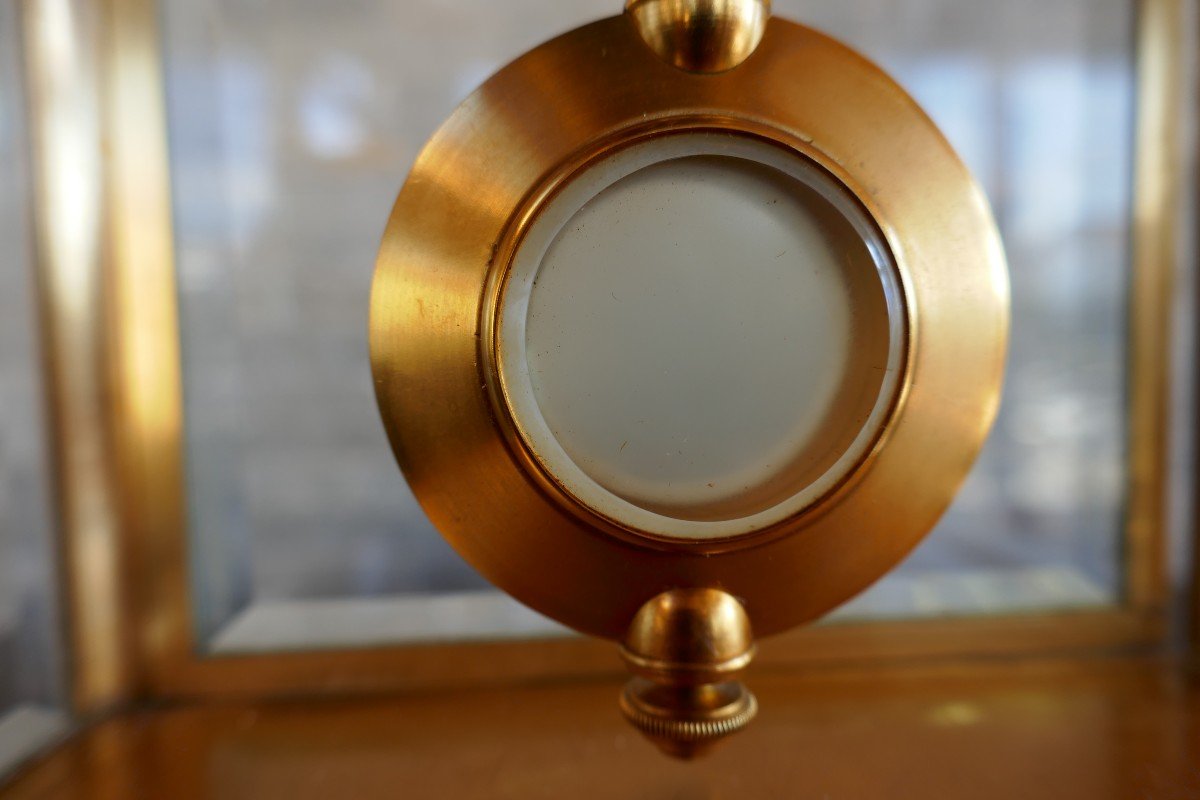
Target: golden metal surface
63 42
701 35
687 721
147 406
686 649
482 179
390 668
701 633
1094 729
1157 176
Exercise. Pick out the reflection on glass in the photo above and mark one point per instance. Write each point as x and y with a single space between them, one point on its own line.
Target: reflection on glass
29 644
292 127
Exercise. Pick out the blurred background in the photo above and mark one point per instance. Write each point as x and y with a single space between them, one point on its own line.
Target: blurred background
291 126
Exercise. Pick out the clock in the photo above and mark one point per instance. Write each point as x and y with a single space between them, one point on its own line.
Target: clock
686 327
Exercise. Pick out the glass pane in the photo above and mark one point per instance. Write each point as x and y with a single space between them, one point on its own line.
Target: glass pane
1038 100
292 127
30 690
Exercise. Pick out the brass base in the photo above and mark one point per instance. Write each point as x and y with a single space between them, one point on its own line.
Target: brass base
685 648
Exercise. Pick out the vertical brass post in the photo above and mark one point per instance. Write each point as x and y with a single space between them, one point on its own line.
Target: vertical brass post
63 44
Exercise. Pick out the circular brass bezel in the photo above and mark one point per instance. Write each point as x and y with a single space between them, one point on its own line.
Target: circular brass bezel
588 155
458 219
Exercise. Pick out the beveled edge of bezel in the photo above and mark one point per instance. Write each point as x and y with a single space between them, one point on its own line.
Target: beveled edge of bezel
590 154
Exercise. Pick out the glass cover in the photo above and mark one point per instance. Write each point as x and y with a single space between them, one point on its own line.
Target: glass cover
701 335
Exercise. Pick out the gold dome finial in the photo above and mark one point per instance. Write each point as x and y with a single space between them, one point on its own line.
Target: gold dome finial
701 35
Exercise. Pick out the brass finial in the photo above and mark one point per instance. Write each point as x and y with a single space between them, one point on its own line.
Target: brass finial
685 648
701 35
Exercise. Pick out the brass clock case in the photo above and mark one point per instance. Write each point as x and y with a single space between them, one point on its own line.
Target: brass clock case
498 162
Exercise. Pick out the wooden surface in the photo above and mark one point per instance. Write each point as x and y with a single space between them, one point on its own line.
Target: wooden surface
1001 729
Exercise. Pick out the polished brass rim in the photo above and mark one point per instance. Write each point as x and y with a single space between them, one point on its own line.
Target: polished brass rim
457 220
